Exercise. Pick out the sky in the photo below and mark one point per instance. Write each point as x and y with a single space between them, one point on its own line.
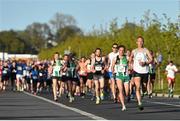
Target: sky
17 14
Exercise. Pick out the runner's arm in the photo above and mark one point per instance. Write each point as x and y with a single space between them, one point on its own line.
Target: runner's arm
92 65
103 70
131 60
113 65
149 57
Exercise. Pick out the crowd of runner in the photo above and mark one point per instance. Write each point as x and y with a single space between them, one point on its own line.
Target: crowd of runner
122 75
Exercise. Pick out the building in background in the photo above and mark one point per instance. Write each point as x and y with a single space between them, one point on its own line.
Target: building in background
6 56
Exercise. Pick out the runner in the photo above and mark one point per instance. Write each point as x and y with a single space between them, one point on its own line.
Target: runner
152 75
1 67
111 56
98 65
90 82
19 76
59 81
122 74
171 69
49 76
83 75
5 75
141 58
28 69
65 76
34 79
41 73
56 74
132 91
45 76
13 70
73 77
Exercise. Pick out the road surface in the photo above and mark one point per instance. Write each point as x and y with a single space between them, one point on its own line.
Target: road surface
23 105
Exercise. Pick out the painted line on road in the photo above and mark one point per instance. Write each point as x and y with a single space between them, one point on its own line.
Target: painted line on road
92 116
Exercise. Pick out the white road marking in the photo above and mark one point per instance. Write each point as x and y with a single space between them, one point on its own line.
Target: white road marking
92 116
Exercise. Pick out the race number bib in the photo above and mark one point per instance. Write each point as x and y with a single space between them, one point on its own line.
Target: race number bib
34 77
121 68
19 68
40 74
4 72
98 68
14 71
27 74
89 67
82 73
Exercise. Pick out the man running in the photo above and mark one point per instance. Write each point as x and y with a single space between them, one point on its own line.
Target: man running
5 75
13 71
111 56
1 69
171 69
98 65
152 75
73 77
19 76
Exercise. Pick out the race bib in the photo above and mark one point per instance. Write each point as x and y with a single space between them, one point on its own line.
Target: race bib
19 68
64 74
40 74
14 71
89 67
82 73
4 72
34 77
98 68
121 69
27 74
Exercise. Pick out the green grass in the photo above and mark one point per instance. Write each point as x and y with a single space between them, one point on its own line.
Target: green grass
164 88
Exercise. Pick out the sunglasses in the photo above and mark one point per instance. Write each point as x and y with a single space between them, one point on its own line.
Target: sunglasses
115 47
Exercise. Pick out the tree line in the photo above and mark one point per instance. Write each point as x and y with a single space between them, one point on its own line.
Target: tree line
160 33
37 36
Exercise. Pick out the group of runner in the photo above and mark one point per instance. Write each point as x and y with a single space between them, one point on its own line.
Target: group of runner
121 71
121 74
23 75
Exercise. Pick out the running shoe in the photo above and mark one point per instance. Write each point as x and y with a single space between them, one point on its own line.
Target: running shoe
102 96
97 100
140 107
123 108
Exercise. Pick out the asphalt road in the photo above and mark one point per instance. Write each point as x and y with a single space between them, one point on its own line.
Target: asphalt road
20 106
23 105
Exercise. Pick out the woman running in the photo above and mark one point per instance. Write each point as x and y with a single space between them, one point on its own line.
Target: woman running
122 74
141 58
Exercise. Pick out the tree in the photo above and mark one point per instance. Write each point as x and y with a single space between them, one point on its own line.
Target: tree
68 31
39 29
60 21
10 42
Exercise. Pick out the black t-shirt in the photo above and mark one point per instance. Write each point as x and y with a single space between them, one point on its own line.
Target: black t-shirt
5 71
